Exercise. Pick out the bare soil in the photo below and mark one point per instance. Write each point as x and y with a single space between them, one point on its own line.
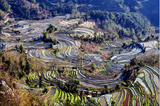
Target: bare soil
89 47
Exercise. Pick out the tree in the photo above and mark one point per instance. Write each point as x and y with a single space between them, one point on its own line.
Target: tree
70 86
34 1
133 61
40 81
93 66
141 63
87 91
51 45
128 82
54 41
18 39
0 29
1 53
28 67
21 48
113 102
16 46
3 58
21 63
105 35
140 39
45 90
117 86
82 37
9 62
106 88
51 28
45 35
123 83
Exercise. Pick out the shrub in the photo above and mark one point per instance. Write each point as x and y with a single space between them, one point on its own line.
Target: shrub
113 102
93 66
14 85
117 86
18 39
51 45
45 90
124 84
51 84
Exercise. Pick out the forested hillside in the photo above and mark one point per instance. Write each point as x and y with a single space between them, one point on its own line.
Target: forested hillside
38 9
134 23
24 9
149 8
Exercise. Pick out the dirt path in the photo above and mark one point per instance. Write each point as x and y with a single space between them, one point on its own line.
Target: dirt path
102 101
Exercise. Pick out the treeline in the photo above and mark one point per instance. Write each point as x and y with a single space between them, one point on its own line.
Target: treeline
125 24
97 38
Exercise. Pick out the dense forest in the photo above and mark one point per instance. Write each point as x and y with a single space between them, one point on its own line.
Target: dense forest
134 23
40 9
24 9
149 8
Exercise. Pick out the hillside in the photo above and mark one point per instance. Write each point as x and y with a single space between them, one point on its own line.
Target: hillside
39 9
149 8
78 53
151 11
24 9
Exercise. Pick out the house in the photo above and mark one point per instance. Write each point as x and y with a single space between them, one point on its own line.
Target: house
90 92
3 46
99 93
89 96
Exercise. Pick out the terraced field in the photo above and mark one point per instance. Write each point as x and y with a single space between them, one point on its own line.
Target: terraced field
87 24
136 95
130 53
60 97
68 48
141 91
34 29
68 23
81 31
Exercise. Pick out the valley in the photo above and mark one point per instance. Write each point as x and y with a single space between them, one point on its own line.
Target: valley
94 65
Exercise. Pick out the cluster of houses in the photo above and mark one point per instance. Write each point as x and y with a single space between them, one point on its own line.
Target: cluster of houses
89 93
38 38
3 46
20 26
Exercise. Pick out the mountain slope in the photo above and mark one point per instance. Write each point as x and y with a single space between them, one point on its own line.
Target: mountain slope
24 9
